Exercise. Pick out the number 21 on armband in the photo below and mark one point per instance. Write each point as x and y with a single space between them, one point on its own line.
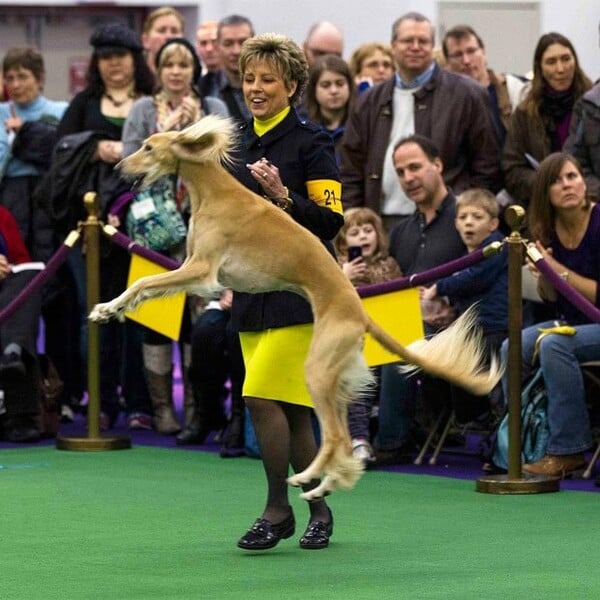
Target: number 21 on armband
326 193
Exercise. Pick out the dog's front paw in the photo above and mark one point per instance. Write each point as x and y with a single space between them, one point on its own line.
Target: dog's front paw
102 313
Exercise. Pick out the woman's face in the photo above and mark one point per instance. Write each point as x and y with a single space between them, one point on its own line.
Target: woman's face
568 191
332 91
264 90
22 85
116 70
176 74
164 28
558 67
377 66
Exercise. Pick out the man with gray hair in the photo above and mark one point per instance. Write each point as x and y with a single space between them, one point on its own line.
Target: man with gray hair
232 32
421 98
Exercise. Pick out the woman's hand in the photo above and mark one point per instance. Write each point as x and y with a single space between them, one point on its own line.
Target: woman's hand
13 123
189 111
545 288
267 174
110 151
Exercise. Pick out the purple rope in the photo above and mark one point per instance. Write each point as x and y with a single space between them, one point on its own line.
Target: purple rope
564 289
58 258
128 244
458 264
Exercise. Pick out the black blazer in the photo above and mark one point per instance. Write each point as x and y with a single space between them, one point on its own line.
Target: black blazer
302 153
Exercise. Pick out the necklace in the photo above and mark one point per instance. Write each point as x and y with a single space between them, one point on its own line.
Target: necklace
118 103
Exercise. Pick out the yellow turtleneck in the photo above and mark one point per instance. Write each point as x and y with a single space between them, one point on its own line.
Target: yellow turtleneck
263 126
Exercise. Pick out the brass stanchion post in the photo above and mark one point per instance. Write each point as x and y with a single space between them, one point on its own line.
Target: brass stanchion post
94 441
515 482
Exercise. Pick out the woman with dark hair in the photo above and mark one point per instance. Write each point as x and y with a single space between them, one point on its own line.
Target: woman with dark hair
292 164
117 76
540 124
565 229
329 94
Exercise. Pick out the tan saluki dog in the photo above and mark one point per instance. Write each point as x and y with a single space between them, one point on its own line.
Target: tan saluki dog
239 240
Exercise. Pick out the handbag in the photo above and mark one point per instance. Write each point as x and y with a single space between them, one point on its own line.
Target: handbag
153 220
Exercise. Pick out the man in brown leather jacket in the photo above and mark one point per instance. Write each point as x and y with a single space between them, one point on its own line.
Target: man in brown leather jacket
422 98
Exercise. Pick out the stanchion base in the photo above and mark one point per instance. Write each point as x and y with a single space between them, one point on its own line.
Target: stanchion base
93 444
528 484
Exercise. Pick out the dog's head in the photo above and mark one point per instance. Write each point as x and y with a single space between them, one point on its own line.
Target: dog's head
208 140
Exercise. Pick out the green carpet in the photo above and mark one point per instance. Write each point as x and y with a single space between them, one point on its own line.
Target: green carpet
157 523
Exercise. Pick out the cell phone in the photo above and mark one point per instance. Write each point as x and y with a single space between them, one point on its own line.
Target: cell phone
354 252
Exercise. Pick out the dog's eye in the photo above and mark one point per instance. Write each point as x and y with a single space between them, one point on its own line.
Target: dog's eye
148 148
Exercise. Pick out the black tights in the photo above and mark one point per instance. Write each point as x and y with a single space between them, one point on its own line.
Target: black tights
285 436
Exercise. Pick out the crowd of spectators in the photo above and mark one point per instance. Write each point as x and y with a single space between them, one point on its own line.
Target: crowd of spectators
428 152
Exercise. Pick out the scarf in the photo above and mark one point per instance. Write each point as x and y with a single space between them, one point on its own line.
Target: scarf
556 109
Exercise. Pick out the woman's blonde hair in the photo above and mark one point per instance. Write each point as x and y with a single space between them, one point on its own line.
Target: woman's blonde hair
163 11
361 216
364 51
283 54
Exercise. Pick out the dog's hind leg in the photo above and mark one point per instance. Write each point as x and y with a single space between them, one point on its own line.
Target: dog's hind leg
192 274
330 357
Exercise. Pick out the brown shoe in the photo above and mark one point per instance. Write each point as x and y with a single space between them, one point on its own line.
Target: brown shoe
567 465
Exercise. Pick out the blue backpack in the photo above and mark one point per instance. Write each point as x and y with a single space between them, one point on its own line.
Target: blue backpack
534 425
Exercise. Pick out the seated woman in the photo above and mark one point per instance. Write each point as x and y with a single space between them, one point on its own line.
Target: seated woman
18 337
565 228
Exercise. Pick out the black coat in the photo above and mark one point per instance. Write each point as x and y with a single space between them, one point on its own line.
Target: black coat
302 153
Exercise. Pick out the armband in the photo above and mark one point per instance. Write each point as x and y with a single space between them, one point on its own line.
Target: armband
326 193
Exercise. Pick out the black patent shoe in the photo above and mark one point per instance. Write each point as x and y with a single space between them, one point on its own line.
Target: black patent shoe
317 534
264 535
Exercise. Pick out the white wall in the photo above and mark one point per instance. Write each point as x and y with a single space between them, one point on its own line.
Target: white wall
369 20
65 36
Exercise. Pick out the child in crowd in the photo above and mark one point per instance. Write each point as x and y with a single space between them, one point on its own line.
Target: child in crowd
361 247
486 283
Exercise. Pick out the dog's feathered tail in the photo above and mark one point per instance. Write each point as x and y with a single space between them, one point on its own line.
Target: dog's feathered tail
456 354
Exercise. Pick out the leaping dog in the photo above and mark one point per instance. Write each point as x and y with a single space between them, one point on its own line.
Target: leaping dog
238 240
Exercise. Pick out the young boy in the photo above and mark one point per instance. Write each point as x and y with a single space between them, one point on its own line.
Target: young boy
485 283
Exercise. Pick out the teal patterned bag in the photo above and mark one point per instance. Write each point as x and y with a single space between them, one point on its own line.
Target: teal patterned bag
153 219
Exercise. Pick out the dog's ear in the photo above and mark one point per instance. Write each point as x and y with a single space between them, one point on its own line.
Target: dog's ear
192 151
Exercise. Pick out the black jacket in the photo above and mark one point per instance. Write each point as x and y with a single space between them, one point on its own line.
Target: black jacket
71 175
302 153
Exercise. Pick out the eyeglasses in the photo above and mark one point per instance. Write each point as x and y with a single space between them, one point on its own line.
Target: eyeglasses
466 52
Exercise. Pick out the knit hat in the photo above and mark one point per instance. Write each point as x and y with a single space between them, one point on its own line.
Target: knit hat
188 45
114 37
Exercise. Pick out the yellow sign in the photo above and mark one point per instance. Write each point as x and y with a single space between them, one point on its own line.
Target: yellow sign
163 315
399 313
